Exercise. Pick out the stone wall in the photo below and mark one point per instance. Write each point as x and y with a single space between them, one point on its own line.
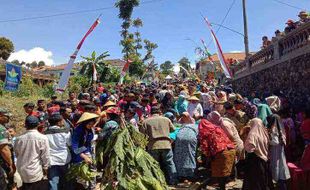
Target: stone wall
292 77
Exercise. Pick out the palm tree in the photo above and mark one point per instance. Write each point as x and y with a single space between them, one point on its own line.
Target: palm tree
149 47
89 63
137 23
126 8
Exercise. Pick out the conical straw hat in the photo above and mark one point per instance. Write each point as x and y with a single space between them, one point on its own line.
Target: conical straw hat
87 116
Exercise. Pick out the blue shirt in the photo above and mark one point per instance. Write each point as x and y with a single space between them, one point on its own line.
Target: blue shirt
81 142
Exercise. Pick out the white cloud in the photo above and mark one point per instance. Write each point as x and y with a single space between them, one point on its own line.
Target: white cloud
236 51
35 54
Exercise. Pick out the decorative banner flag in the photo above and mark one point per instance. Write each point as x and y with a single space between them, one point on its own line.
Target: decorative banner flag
13 76
219 51
124 70
94 73
66 73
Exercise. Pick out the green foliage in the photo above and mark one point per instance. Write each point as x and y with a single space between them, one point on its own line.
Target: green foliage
16 62
126 8
34 64
41 64
27 88
132 42
136 68
77 83
6 48
1 88
167 68
149 47
48 90
81 170
128 163
104 70
185 63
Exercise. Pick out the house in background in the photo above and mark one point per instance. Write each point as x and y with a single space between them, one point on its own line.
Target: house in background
208 70
56 71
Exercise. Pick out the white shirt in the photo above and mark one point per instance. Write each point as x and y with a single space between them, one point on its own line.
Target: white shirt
195 109
59 147
32 152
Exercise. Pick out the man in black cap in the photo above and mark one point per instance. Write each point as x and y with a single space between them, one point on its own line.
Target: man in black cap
32 152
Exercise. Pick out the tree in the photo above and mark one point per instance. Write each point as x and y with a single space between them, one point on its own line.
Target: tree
132 42
28 65
6 48
126 8
100 64
41 64
166 67
16 62
186 64
137 23
34 64
149 47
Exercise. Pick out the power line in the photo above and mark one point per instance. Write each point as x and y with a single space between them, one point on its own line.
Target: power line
68 13
289 5
232 30
223 20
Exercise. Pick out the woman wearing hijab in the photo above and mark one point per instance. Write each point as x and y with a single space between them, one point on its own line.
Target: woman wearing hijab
82 138
185 148
112 123
230 130
215 144
279 169
257 176
274 103
263 110
181 104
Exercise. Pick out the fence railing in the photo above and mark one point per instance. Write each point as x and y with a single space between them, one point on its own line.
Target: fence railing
280 48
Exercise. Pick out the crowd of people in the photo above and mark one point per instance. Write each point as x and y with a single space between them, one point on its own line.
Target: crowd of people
304 17
187 125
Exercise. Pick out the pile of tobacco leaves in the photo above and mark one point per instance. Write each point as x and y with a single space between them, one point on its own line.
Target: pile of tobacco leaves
126 164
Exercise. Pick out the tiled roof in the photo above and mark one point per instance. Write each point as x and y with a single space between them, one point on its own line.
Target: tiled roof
238 56
116 62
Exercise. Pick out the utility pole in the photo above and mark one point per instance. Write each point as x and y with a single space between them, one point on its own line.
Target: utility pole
245 23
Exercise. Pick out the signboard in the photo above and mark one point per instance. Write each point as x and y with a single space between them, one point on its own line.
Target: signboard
13 76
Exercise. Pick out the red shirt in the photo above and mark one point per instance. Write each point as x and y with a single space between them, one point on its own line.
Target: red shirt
100 89
213 139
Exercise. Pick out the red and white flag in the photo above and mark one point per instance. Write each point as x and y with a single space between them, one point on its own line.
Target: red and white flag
66 73
219 51
94 73
124 70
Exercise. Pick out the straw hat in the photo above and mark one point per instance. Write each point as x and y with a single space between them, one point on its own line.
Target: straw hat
109 103
87 116
193 98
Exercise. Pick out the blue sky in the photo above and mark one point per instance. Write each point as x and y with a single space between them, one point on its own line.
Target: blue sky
166 22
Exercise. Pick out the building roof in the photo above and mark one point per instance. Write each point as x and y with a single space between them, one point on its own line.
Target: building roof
117 62
240 56
113 62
